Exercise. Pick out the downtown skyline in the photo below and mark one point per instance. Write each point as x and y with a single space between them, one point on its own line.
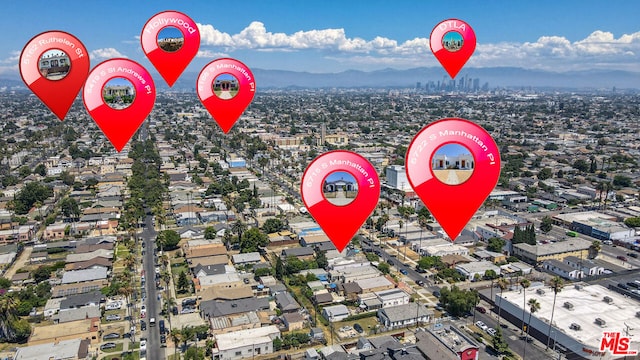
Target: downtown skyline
329 37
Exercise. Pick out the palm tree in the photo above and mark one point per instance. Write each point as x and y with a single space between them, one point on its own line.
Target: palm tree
176 337
502 284
525 283
239 227
534 306
556 285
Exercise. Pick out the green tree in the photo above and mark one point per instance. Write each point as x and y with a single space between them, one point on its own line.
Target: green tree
632 222
279 269
40 170
496 244
253 239
621 181
272 225
458 302
498 342
534 306
524 283
67 178
70 207
321 259
168 239
183 283
209 232
581 165
556 285
428 262
384 268
546 224
545 174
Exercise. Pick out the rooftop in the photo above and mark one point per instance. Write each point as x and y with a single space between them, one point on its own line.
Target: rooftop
242 338
588 304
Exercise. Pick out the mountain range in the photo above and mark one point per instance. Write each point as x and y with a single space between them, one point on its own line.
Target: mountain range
392 78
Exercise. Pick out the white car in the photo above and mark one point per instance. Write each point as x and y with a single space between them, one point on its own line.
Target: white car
113 305
491 331
143 345
482 325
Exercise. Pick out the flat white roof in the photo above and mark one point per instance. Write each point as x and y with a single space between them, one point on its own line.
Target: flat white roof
588 304
248 337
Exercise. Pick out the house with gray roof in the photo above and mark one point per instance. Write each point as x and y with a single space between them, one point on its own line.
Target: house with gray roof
404 315
93 298
214 308
246 258
287 303
76 276
67 315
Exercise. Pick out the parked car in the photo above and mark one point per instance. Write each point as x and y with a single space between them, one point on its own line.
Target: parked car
113 317
420 283
633 255
143 345
481 310
358 328
113 306
188 310
404 272
623 258
187 302
143 325
161 325
482 325
112 335
163 339
107 346
491 331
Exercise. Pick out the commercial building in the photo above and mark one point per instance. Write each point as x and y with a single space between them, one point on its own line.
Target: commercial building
397 177
534 254
582 314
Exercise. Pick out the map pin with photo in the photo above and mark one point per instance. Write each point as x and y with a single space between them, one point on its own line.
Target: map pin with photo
226 88
452 42
54 65
340 189
453 165
119 94
170 40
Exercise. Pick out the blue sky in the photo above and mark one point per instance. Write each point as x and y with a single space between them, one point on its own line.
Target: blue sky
337 175
452 150
333 36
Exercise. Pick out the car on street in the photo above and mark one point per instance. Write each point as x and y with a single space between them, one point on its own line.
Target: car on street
113 335
481 310
107 346
404 272
161 325
491 331
143 325
163 339
420 283
143 345
113 317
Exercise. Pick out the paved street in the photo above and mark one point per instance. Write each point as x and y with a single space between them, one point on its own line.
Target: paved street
154 351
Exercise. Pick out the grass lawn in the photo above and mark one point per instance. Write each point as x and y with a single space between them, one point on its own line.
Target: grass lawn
368 324
117 349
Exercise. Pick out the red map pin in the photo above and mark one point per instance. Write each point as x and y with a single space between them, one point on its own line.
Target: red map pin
453 165
452 42
340 189
55 65
119 94
226 87
170 40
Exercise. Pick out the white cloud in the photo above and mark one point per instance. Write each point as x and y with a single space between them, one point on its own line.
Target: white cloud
208 54
106 53
600 49
14 58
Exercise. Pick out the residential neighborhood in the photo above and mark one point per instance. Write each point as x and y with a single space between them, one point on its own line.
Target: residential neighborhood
192 244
